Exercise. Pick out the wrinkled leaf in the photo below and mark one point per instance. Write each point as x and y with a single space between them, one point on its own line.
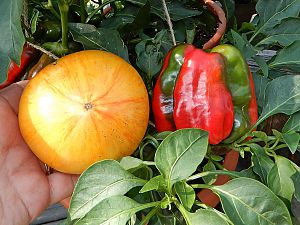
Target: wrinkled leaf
285 33
100 181
247 201
271 13
262 164
149 58
278 99
179 155
12 37
279 178
186 194
151 52
116 210
292 124
99 38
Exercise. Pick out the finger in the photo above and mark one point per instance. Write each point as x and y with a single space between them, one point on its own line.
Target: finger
13 93
61 186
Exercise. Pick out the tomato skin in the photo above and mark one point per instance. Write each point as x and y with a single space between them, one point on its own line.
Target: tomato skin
15 71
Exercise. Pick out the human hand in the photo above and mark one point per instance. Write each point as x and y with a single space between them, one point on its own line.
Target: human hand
26 190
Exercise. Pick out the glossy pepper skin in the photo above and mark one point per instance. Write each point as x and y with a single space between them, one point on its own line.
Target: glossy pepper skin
15 71
163 101
240 83
211 91
200 96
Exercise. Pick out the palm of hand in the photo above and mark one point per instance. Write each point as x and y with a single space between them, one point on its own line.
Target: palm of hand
25 189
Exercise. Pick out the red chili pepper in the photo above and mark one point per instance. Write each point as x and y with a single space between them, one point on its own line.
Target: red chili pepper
15 71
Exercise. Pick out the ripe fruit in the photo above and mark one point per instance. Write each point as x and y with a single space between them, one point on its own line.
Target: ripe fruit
90 105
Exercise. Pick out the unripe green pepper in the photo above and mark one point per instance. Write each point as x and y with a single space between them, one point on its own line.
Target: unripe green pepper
49 31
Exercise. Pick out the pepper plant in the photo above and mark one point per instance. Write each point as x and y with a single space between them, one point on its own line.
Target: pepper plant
161 182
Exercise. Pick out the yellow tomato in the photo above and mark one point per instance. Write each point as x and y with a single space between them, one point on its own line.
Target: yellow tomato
88 106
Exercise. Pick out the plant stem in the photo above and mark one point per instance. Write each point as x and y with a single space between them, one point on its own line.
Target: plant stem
183 212
149 215
201 186
215 172
169 21
149 163
64 11
82 11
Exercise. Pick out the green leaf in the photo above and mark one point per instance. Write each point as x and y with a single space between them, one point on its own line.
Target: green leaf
262 135
100 181
287 57
243 45
262 164
247 201
149 57
296 180
176 8
260 83
207 217
12 37
279 178
179 155
261 62
99 38
132 17
292 124
186 194
129 162
33 20
156 183
248 173
278 99
229 6
292 140
116 210
271 13
151 52
210 179
284 34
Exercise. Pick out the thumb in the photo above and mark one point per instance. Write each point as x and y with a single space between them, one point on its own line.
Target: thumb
61 186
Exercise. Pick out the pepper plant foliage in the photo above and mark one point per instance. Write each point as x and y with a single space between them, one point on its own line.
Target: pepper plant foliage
160 182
